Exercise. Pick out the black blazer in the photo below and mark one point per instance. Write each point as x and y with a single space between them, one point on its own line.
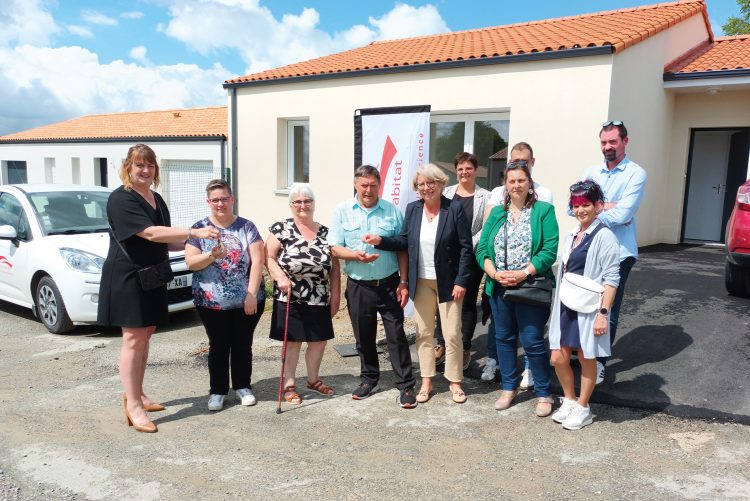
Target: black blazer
453 247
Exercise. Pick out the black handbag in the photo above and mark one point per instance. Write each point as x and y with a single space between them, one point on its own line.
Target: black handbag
536 291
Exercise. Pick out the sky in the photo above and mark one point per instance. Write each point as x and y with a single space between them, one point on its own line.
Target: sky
61 59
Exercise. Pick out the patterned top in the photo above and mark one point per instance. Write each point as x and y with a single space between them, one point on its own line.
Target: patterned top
519 242
306 264
222 285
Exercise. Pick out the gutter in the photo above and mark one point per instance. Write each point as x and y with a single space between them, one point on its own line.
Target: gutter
701 75
129 139
233 142
442 65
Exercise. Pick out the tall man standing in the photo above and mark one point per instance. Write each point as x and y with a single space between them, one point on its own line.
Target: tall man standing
377 283
623 182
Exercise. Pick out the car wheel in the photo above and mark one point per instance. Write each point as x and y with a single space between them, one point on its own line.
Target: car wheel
51 308
736 280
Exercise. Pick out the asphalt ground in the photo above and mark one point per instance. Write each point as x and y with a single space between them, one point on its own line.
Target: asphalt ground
683 344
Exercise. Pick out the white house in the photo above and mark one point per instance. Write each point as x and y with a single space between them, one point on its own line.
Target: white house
190 144
683 94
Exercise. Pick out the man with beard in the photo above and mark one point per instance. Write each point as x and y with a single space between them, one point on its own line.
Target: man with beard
622 181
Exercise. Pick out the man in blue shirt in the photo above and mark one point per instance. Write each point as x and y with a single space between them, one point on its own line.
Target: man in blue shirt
623 182
377 283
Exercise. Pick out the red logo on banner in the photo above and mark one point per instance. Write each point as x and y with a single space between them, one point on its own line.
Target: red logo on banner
389 151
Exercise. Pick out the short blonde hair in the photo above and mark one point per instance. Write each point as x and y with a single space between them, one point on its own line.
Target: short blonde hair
431 172
138 152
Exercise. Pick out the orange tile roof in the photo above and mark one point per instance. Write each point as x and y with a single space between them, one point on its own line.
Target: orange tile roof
725 53
618 28
191 122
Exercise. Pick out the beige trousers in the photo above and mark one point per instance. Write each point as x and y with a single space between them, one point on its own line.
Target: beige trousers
425 304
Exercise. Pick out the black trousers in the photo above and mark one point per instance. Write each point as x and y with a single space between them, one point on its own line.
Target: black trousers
230 337
468 309
365 299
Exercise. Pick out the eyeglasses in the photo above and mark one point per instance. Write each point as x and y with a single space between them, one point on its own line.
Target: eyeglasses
426 184
300 203
582 186
217 201
518 164
616 123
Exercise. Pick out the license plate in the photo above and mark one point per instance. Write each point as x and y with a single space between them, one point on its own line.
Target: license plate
181 281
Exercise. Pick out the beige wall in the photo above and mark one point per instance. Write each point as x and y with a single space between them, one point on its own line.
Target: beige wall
552 105
638 98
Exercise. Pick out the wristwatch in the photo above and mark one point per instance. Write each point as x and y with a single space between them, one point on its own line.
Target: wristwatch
403 282
604 312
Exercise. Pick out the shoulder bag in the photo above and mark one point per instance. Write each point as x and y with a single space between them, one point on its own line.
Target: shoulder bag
536 291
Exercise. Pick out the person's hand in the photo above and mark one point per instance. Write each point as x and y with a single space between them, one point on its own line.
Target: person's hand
372 239
335 304
458 292
284 285
251 304
600 325
364 257
207 232
511 278
402 294
219 251
609 205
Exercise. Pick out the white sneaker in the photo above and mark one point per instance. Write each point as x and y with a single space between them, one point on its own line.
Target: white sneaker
578 418
215 402
564 411
527 380
246 396
490 368
599 372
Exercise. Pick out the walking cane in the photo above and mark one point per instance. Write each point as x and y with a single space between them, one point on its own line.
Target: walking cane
283 352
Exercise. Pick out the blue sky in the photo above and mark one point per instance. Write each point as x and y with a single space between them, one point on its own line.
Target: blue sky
66 58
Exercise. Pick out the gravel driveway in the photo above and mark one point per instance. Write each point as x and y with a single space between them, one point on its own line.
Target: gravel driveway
63 436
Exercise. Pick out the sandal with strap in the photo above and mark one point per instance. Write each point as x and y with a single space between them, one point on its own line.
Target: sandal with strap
291 396
320 387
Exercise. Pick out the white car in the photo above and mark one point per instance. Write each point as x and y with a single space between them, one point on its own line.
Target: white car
53 242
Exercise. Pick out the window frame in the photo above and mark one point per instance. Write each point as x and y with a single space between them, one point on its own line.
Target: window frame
290 157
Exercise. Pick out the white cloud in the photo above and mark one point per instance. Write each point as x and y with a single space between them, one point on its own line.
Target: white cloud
133 14
81 31
96 17
25 22
139 54
263 41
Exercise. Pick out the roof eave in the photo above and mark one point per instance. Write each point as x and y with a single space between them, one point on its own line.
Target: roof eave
124 139
702 75
464 63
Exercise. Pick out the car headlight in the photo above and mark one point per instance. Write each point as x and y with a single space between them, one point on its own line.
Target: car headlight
81 260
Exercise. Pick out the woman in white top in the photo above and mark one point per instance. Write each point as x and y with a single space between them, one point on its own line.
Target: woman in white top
590 250
437 235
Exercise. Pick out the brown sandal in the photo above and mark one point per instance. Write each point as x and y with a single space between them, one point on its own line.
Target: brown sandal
320 387
291 396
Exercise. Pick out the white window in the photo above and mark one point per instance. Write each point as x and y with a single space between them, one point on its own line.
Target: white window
183 187
14 171
49 170
297 152
485 135
75 166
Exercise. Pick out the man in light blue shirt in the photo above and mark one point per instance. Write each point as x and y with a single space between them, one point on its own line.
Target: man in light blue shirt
377 283
623 182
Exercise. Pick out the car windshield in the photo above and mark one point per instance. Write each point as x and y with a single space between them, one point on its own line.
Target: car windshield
68 212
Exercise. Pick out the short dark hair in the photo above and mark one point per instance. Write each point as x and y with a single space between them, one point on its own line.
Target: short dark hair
588 189
623 131
466 157
218 184
523 146
367 171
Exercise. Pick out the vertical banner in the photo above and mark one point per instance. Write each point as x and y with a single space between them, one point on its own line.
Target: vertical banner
396 141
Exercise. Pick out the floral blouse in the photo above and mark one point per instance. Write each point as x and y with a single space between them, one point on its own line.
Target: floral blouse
519 242
222 285
306 264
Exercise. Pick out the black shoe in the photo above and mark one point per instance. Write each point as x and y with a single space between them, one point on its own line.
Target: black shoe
407 399
364 390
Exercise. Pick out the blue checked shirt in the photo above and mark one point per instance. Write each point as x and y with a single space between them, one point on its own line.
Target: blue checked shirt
350 222
624 184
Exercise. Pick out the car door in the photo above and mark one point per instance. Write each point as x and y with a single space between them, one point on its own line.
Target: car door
14 265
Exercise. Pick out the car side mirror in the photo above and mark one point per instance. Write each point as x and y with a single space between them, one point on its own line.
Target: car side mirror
7 232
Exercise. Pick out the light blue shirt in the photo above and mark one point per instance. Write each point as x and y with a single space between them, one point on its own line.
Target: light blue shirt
351 221
624 185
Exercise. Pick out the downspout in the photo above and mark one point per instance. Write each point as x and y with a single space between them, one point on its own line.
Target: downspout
233 142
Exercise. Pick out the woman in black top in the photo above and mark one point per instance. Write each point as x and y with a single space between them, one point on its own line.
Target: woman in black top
140 221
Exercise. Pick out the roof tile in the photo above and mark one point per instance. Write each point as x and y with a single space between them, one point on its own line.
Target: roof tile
192 122
724 53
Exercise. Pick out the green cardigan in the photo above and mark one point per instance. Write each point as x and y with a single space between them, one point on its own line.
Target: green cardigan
544 239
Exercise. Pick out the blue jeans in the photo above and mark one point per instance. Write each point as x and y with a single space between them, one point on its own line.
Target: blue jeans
492 345
614 314
517 320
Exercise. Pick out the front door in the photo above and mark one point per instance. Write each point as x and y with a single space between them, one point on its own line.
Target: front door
712 182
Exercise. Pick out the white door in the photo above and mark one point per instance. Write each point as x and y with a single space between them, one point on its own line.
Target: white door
708 175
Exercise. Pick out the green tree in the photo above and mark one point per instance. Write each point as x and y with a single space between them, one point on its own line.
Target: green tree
739 25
